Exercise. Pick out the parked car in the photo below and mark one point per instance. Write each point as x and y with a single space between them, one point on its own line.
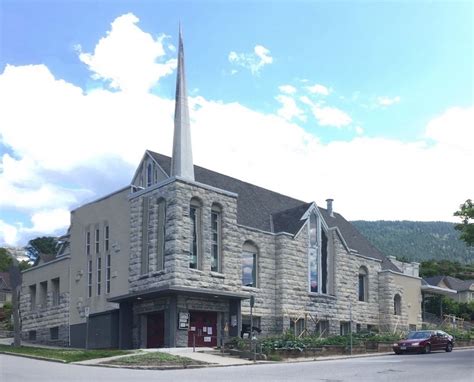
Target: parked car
424 341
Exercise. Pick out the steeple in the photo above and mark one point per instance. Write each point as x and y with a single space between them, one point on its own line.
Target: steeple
182 159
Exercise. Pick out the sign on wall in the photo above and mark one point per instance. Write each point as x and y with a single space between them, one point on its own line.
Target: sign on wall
183 322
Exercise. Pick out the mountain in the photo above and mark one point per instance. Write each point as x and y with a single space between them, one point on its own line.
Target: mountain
416 241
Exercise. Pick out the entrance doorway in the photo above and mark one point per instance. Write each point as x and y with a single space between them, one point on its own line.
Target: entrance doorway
203 328
155 330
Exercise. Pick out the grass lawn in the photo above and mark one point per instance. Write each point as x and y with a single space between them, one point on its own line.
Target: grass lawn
155 359
65 355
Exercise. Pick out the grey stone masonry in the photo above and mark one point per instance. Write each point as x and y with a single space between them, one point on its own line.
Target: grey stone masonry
176 270
41 319
282 291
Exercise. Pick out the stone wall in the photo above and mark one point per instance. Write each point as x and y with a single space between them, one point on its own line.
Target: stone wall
42 318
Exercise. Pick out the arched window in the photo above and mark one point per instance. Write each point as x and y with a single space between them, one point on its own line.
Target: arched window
397 305
195 212
250 265
160 234
216 223
363 284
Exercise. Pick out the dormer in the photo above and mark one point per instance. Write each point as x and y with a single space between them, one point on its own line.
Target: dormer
148 173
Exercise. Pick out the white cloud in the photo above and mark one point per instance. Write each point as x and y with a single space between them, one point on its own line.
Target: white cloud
253 61
318 89
287 89
454 128
359 130
49 221
84 145
127 57
387 101
289 109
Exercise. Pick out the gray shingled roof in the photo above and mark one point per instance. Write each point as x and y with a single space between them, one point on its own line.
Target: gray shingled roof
258 208
458 284
434 280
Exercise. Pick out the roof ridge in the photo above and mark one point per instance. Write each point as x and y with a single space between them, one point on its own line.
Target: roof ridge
236 179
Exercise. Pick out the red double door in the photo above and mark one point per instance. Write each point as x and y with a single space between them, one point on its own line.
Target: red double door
202 329
155 330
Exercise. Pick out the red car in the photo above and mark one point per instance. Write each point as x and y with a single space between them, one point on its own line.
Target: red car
424 341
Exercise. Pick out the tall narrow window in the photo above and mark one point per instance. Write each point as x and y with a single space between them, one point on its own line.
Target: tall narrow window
33 297
89 278
99 275
249 265
149 175
97 240
161 231
55 291
195 244
107 273
313 253
397 305
215 239
319 277
43 294
88 243
363 284
106 238
145 263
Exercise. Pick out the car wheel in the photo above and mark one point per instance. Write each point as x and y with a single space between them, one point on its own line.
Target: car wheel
398 352
426 349
449 347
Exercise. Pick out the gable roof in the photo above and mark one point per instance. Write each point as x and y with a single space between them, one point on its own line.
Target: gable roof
452 282
434 280
270 211
458 284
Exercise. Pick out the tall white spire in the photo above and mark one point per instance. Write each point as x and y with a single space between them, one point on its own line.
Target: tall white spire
182 159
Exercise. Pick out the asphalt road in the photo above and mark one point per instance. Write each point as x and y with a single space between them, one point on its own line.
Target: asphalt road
438 366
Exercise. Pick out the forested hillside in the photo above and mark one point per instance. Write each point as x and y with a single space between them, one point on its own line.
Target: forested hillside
416 241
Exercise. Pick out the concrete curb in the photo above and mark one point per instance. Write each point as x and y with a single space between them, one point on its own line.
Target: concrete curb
33 357
295 360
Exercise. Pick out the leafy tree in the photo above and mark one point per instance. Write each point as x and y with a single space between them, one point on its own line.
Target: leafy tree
41 245
466 213
5 260
446 268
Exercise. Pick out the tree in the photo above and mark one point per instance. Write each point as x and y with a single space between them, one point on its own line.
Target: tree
5 260
41 245
466 213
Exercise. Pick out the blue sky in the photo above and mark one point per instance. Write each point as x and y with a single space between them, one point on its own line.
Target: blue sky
367 102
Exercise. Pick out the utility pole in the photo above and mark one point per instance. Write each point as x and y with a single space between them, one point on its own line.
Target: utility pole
350 324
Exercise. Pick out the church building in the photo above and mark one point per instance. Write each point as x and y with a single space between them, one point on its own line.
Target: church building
174 259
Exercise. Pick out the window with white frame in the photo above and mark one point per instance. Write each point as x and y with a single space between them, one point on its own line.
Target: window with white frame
250 265
216 238
363 284
318 256
97 240
107 272
88 243
195 212
106 238
99 275
89 278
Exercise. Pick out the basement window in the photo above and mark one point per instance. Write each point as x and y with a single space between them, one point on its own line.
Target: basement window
54 333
